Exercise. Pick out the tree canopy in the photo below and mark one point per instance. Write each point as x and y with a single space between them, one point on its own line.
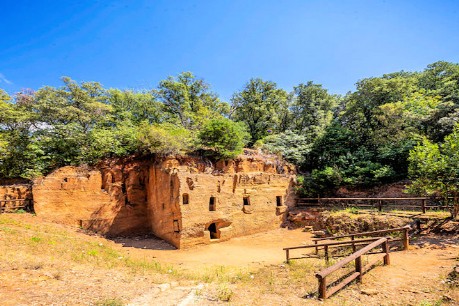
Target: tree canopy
375 134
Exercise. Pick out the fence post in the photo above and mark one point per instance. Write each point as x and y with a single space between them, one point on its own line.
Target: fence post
326 253
380 205
358 268
405 239
322 287
317 249
287 255
385 247
353 244
423 206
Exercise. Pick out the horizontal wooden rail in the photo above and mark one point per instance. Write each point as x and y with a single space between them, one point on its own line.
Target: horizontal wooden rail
405 237
381 202
353 242
364 199
326 245
378 232
325 292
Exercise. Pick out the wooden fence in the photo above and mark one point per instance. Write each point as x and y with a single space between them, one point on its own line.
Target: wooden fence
353 242
421 203
325 291
404 230
369 245
15 204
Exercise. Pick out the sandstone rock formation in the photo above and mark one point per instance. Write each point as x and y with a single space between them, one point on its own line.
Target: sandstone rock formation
184 200
16 190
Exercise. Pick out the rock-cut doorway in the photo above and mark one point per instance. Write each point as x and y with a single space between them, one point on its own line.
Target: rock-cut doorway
214 234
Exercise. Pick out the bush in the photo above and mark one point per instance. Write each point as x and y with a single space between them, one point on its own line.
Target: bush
293 147
164 139
225 137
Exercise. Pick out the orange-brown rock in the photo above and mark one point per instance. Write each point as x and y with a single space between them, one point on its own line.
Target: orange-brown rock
17 191
110 201
15 194
184 200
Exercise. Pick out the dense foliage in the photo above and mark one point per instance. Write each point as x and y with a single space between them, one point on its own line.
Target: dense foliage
84 123
434 169
360 139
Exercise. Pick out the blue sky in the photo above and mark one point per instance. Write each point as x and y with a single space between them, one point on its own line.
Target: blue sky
135 44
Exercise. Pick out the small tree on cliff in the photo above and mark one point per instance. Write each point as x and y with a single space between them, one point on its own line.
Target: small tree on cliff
225 137
434 168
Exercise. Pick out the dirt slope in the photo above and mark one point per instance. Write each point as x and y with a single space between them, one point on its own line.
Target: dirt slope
43 264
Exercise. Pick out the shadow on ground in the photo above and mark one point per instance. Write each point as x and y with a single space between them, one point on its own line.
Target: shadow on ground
148 242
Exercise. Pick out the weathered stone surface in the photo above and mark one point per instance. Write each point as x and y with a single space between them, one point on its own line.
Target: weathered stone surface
184 200
17 191
109 200
319 234
14 190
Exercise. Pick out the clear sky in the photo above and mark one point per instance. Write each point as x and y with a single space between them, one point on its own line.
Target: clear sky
135 44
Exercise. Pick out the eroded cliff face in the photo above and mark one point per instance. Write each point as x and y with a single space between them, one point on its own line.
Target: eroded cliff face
184 200
196 202
110 200
15 190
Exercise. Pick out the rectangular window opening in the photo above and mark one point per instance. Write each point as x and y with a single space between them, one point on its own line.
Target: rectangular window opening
212 204
278 200
246 201
185 198
176 226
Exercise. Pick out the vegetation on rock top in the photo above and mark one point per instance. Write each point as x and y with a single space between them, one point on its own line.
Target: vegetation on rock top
363 138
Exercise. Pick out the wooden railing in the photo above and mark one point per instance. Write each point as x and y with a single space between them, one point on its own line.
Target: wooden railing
326 246
17 204
353 242
325 292
378 203
405 237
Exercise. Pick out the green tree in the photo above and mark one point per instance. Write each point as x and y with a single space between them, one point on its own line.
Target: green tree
188 101
434 168
292 146
65 116
19 153
118 141
312 110
224 137
262 107
164 139
134 106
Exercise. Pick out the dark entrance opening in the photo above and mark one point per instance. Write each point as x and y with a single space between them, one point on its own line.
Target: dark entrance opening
213 231
246 201
279 201
212 205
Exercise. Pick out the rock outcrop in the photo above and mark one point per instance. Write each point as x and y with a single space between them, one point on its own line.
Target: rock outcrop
184 200
110 200
15 193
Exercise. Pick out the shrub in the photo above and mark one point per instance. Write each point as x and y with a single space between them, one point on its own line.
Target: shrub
225 137
164 138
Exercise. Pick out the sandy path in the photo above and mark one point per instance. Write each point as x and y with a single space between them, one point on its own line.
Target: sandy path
254 250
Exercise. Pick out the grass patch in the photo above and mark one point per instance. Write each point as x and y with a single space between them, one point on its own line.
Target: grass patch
35 239
53 243
224 293
110 302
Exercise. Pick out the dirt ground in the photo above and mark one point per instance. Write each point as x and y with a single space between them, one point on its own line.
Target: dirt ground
413 278
249 251
36 269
